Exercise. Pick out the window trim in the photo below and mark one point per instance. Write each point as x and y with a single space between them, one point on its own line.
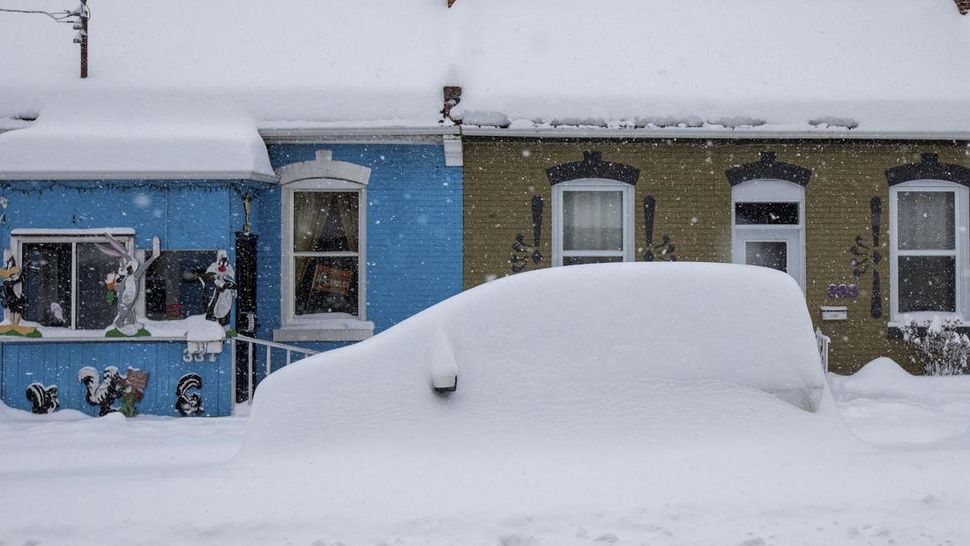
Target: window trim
770 190
19 237
960 225
288 288
593 184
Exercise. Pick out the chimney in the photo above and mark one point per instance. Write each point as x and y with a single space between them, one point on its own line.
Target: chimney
962 5
452 96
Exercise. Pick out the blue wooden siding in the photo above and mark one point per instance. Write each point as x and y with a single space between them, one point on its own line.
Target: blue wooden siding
184 214
53 363
414 230
414 258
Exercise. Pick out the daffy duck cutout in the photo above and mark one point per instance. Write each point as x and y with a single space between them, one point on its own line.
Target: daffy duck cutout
14 299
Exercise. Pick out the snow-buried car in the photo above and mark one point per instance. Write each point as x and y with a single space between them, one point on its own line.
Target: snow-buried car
601 353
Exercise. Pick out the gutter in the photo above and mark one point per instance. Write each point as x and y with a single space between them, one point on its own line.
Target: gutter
710 134
290 135
136 175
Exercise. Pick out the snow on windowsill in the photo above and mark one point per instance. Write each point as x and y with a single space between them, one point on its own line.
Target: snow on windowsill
195 328
326 330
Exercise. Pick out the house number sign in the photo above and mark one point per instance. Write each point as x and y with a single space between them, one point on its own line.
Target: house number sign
843 291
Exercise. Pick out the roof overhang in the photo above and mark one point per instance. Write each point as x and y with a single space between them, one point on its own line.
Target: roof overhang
711 134
136 175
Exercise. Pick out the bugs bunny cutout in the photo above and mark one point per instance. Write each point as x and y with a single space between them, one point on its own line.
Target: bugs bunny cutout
126 281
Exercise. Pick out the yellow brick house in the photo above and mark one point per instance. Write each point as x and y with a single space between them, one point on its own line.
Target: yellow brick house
872 230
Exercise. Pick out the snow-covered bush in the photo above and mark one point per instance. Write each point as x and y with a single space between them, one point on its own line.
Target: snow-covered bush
939 348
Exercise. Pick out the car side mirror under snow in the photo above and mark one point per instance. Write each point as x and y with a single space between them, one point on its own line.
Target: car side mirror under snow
444 384
444 369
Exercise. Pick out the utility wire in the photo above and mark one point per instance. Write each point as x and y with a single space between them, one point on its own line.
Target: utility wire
59 16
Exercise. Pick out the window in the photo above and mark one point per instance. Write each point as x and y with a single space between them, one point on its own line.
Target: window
324 251
768 226
929 238
63 276
174 284
592 222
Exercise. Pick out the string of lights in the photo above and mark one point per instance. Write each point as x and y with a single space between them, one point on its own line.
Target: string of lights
240 187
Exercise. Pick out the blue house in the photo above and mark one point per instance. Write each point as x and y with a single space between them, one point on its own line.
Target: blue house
176 290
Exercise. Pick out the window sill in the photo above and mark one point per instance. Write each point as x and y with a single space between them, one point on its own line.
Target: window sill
191 329
326 330
894 329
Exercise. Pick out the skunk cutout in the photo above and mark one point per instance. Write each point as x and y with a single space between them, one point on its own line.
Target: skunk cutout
189 404
44 399
104 393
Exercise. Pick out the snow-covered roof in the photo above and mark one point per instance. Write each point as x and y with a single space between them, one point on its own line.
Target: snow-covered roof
144 137
872 66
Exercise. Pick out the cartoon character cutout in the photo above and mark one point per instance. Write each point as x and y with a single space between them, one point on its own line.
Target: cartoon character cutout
222 275
14 300
124 283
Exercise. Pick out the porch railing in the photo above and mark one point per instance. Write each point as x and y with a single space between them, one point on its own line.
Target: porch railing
248 351
823 348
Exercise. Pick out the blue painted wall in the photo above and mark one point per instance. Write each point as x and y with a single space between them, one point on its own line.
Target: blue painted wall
52 363
191 214
414 230
414 257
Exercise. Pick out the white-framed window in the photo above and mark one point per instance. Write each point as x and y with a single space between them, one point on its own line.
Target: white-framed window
324 251
768 226
323 293
928 246
63 274
592 222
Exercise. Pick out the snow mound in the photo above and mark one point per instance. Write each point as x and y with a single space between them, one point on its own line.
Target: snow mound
884 378
624 354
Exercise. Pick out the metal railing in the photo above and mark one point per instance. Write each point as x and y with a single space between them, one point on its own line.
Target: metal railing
823 348
251 352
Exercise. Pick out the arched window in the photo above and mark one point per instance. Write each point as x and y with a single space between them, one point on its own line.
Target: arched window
324 251
928 222
592 218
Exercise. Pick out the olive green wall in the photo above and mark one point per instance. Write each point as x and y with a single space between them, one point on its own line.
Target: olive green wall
686 177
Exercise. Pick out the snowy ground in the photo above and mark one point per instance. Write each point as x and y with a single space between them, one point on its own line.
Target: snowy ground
76 480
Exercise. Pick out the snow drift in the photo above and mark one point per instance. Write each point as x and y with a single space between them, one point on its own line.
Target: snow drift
608 353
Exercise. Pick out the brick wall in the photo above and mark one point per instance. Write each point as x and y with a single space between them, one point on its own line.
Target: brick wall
694 207
414 229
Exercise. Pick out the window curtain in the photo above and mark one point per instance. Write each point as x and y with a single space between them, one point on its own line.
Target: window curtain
926 220
593 220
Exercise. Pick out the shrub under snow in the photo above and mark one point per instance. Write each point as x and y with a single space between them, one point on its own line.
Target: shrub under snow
939 348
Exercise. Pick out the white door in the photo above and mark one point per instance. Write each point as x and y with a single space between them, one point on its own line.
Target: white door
775 248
